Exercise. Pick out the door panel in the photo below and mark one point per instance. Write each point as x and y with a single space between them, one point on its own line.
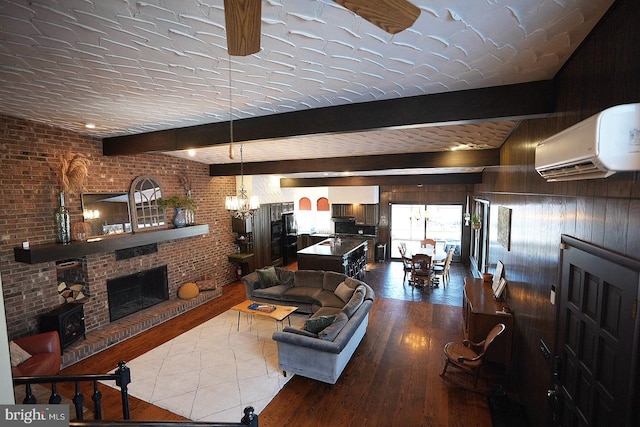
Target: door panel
597 330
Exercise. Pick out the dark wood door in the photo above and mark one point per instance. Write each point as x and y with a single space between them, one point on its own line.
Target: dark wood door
596 361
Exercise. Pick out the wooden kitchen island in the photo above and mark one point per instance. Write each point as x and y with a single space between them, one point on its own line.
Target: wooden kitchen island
346 255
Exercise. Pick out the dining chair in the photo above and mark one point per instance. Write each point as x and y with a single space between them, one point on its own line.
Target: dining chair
402 248
406 265
442 269
421 270
465 358
428 242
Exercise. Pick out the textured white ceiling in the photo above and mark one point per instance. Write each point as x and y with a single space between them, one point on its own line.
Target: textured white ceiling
137 66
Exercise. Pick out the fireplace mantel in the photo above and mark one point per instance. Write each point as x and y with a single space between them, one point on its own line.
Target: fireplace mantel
57 251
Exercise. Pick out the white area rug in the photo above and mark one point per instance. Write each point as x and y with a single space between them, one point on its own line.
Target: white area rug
212 372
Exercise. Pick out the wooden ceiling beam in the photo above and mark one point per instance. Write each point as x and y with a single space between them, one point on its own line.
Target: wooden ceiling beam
435 179
519 101
443 159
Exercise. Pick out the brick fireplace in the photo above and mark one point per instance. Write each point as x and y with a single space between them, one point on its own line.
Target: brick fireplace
103 271
30 289
135 292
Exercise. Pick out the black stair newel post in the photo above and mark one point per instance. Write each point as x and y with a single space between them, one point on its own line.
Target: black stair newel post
250 417
123 380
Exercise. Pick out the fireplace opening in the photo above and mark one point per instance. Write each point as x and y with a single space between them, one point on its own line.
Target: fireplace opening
135 292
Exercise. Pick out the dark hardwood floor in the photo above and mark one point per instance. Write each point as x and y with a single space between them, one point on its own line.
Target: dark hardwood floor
392 379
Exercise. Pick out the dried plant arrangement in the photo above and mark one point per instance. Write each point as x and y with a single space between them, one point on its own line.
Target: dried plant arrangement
185 181
72 170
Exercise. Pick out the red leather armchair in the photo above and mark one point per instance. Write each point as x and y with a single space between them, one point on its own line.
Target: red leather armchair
45 355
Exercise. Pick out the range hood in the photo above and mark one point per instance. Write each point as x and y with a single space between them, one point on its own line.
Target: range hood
343 219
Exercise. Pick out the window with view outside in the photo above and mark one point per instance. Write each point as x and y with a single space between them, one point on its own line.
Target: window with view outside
412 223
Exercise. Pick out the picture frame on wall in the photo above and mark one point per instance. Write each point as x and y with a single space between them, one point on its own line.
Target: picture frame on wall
504 227
497 294
497 276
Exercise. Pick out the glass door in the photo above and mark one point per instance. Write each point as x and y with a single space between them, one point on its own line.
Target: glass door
412 223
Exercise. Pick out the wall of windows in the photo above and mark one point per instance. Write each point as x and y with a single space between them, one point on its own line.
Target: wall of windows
412 223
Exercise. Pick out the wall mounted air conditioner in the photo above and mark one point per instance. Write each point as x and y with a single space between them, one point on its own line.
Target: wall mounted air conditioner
597 147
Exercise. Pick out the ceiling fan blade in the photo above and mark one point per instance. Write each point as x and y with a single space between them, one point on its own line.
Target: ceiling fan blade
391 16
242 20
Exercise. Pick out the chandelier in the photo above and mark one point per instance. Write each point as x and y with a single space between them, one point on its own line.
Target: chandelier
419 214
242 206
239 206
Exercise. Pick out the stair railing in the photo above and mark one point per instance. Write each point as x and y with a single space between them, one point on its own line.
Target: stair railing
122 378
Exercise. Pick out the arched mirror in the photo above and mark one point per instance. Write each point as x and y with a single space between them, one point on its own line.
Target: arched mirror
145 199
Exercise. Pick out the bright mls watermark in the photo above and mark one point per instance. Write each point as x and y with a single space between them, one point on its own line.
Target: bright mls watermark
34 415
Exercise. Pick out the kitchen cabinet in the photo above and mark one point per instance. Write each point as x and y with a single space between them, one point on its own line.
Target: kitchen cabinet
306 240
262 223
277 209
262 237
371 253
364 214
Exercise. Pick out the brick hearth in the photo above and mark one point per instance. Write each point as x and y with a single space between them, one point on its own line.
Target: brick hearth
122 329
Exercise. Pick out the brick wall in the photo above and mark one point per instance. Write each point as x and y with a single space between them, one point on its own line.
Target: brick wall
28 189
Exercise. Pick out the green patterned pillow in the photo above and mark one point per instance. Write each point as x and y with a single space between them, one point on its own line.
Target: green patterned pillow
317 324
268 277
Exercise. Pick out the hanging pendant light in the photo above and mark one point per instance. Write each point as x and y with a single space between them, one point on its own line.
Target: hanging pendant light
241 205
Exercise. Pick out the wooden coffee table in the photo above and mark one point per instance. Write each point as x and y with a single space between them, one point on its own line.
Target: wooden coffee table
281 312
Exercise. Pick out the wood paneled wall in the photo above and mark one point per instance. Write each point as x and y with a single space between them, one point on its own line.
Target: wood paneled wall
603 72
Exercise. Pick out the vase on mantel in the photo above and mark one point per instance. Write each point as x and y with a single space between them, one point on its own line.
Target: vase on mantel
63 222
189 214
179 220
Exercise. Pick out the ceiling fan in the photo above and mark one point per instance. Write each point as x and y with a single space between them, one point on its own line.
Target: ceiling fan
242 20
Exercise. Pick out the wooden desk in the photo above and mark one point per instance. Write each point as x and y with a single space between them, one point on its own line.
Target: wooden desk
480 316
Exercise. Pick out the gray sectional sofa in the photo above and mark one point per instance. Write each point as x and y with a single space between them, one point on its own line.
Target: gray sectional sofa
339 314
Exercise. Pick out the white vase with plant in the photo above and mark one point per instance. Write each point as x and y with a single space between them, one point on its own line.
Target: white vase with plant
476 221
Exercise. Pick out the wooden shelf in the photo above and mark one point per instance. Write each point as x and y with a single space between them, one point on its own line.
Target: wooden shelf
57 251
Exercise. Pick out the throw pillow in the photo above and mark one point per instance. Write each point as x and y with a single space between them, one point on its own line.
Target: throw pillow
268 277
316 324
331 332
286 277
354 303
17 354
344 292
301 332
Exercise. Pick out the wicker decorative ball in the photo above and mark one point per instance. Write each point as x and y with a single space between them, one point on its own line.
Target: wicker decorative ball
188 290
80 231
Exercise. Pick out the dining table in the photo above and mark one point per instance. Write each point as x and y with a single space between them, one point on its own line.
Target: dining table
437 254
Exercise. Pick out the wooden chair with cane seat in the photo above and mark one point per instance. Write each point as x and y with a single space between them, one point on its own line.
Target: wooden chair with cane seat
406 262
443 269
402 248
463 357
421 270
408 268
428 242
